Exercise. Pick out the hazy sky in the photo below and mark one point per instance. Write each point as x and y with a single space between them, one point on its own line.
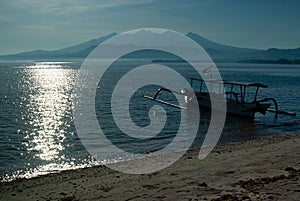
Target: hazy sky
53 24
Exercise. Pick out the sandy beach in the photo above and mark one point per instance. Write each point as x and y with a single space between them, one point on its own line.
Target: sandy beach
262 169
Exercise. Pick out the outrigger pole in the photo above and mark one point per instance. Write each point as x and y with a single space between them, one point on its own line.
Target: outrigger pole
276 110
165 102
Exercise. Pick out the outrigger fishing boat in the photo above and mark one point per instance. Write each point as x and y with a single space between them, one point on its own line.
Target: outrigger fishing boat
236 99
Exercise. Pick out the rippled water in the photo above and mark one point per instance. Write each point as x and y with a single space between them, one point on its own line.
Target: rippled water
36 129
37 133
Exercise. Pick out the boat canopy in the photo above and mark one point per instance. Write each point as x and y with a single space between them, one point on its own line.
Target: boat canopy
246 84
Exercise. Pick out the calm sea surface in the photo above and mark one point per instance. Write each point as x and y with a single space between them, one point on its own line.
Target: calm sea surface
37 132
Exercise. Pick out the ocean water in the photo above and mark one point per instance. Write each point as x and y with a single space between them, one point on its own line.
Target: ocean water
37 132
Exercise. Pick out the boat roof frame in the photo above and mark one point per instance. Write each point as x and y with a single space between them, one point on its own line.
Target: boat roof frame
245 84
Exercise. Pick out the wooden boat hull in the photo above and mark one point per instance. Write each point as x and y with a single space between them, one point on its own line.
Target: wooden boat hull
246 110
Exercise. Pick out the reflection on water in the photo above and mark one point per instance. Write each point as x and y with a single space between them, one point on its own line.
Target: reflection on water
38 126
47 107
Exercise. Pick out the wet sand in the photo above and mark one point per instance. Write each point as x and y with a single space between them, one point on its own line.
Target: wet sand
262 169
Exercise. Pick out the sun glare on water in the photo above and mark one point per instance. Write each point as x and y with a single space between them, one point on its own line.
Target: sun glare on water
46 83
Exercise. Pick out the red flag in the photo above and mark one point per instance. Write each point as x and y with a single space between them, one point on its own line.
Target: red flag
208 70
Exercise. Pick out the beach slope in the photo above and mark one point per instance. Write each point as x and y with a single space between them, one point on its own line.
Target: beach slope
261 169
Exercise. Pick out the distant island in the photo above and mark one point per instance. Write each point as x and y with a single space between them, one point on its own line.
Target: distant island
168 61
218 52
278 61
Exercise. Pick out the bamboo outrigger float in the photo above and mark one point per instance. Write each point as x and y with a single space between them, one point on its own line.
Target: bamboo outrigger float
235 98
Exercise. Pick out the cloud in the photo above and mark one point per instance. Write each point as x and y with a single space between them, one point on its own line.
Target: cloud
29 13
63 7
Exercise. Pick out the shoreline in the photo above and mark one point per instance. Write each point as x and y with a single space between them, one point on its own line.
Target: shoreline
266 168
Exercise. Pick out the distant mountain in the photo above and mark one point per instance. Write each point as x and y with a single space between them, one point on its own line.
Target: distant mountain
83 49
79 51
228 53
221 52
274 53
218 52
